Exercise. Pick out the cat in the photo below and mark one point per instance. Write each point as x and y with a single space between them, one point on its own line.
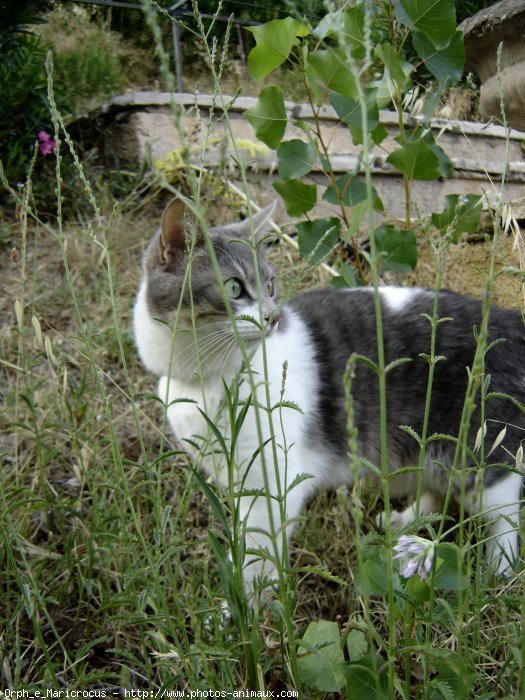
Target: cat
296 423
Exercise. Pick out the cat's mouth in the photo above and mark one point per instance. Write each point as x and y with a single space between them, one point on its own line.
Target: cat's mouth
250 329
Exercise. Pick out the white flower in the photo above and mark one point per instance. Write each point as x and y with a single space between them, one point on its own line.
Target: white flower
416 555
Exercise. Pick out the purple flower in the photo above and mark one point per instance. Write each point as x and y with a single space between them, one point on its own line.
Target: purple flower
416 555
47 143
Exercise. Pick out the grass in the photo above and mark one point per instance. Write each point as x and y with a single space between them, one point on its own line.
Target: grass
108 576
108 579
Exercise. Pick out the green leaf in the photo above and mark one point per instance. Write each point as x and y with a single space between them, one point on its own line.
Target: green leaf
444 63
321 571
331 68
320 658
348 277
268 117
349 110
317 238
445 164
396 67
379 134
436 19
353 191
371 579
450 574
359 214
461 213
274 41
352 22
366 678
417 590
295 158
398 246
216 504
416 160
356 644
298 197
395 75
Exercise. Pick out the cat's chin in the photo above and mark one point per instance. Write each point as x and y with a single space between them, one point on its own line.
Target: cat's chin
254 336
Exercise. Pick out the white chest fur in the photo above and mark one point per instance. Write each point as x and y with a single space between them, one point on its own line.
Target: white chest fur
154 339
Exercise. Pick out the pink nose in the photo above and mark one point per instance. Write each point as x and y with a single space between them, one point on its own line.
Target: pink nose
272 318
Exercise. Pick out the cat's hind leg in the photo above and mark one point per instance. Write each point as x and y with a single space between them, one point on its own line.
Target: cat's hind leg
429 503
499 506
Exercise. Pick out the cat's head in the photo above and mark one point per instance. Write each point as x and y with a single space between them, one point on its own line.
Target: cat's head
183 282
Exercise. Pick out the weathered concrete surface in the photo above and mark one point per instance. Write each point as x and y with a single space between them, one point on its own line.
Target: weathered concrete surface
141 126
502 23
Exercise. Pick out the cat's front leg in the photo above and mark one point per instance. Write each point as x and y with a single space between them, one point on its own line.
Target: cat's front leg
499 505
268 526
429 503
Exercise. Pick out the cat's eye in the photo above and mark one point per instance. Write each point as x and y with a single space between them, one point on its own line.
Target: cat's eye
270 287
234 288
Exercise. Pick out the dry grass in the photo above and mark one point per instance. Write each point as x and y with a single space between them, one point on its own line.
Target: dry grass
94 592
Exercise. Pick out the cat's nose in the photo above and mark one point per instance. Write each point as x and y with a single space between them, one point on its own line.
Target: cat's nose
272 318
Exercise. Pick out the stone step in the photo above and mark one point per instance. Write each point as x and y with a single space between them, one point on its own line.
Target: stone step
140 126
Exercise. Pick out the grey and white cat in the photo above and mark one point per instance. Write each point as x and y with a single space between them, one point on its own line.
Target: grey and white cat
185 335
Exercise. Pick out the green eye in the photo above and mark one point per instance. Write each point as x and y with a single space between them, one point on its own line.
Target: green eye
270 287
234 288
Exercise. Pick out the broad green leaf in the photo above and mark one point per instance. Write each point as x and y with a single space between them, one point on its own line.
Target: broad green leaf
349 110
321 659
274 41
417 590
395 74
347 277
352 189
371 579
298 197
268 117
317 238
366 678
444 63
445 165
416 160
436 19
332 69
377 135
352 22
432 101
450 574
397 68
398 246
461 213
357 645
295 158
359 214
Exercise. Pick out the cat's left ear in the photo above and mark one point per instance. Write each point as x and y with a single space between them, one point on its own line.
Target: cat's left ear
173 231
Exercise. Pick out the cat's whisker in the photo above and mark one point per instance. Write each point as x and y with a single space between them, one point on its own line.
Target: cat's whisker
203 355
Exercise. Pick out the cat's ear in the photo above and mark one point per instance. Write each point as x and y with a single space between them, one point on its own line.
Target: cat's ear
262 225
172 242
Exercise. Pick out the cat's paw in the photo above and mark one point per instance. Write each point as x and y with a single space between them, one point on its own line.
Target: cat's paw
397 520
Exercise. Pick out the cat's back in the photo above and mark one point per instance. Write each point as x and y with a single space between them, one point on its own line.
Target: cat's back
346 318
340 323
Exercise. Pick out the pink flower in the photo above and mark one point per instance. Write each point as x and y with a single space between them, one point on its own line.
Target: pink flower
47 144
